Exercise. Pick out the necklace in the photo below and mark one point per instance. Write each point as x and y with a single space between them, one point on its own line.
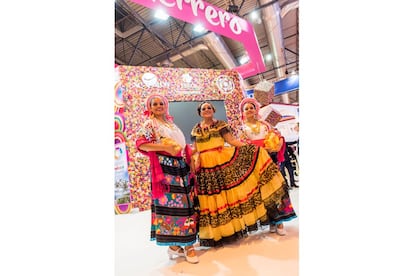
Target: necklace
255 128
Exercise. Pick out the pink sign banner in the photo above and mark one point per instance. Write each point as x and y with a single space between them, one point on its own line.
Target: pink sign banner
218 21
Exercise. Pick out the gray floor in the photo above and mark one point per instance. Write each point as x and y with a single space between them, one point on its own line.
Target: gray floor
262 253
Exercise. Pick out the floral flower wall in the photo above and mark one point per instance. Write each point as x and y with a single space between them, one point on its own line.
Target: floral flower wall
135 83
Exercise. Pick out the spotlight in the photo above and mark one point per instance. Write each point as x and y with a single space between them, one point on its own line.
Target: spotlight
160 14
198 28
255 17
244 59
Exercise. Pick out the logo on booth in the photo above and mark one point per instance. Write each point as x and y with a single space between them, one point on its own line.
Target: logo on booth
188 85
225 84
187 78
149 79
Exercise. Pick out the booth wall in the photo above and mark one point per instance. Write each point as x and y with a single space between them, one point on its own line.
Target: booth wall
136 83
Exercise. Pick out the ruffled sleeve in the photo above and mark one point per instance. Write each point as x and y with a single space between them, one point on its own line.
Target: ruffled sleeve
158 182
222 127
145 135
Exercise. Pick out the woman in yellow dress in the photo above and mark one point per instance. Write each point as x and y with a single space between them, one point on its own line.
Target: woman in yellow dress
237 186
261 133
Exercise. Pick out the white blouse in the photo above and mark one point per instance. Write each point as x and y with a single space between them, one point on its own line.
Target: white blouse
255 134
170 130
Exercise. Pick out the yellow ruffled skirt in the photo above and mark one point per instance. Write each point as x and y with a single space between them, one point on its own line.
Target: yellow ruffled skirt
237 188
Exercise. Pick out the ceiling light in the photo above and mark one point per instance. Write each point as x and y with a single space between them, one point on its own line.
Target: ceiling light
254 15
268 57
160 14
243 59
198 28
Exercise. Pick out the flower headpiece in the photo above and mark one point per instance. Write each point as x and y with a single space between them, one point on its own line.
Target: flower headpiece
148 113
250 101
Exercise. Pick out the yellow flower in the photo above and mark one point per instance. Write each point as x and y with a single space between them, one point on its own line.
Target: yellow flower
169 141
272 141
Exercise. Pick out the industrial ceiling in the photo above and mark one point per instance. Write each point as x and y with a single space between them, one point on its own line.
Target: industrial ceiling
143 40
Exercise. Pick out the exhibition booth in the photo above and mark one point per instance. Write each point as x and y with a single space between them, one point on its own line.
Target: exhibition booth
185 88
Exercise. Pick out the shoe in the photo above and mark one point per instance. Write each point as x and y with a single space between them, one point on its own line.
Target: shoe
280 232
179 252
193 259
272 228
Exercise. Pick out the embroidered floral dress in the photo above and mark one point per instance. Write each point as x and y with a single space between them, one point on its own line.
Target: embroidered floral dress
237 187
173 219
